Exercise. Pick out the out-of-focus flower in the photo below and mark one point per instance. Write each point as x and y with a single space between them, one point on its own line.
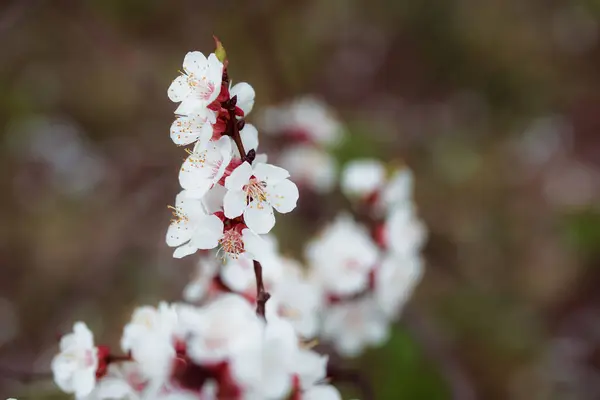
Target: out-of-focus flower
342 256
306 119
74 368
309 166
395 280
361 178
353 325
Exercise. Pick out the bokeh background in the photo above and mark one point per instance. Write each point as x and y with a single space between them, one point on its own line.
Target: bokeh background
494 104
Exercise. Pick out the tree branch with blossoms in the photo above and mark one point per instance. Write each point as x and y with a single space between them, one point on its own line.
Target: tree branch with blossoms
248 327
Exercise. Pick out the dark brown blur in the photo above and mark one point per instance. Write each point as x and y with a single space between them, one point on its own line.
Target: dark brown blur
495 105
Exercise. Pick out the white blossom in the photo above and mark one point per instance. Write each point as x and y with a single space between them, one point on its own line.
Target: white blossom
204 167
398 191
361 178
322 392
74 368
193 128
265 370
207 268
223 329
306 117
353 325
298 299
395 280
342 256
245 96
254 190
150 336
310 166
403 231
199 84
192 228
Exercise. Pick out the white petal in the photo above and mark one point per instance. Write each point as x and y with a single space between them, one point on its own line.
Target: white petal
239 177
234 203
259 217
188 129
249 137
245 96
255 246
269 173
208 233
213 199
191 105
362 177
214 75
184 250
322 392
283 196
195 62
179 89
178 233
195 175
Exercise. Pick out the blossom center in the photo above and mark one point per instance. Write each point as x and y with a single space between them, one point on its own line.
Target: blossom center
255 190
232 243
178 215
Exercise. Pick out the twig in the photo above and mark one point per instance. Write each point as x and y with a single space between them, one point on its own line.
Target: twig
261 294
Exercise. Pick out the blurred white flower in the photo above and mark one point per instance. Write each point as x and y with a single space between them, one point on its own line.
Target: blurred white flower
306 119
361 178
223 329
199 84
197 289
255 190
322 392
398 190
74 367
309 166
404 233
395 280
353 325
342 257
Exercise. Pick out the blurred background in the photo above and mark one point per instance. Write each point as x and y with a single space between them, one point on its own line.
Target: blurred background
495 106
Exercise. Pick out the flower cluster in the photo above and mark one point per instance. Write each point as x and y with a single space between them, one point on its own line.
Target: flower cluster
308 130
226 348
229 193
252 313
181 352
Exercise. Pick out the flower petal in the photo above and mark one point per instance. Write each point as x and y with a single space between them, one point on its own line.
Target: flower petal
178 233
283 196
249 136
195 62
239 177
179 89
208 233
259 217
269 173
245 96
188 129
184 250
234 203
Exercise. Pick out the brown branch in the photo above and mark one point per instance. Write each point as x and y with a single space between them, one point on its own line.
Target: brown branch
261 294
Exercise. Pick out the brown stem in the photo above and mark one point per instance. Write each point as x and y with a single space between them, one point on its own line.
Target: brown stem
261 295
234 132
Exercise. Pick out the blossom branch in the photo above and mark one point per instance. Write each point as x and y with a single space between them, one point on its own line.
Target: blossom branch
261 294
